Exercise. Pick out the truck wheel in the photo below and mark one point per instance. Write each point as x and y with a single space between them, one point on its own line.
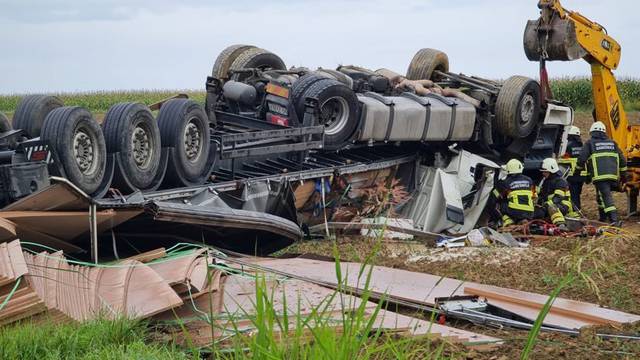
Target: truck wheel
336 75
184 126
31 112
226 58
77 139
131 131
338 111
425 62
296 97
256 58
518 107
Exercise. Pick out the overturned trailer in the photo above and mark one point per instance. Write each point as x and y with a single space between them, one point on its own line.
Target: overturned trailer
228 173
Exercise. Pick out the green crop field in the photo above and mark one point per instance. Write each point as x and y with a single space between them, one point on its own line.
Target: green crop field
101 101
575 91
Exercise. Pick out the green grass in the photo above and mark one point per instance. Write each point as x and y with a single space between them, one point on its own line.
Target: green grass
322 334
101 339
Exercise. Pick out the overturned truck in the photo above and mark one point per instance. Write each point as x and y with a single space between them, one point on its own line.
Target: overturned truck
265 137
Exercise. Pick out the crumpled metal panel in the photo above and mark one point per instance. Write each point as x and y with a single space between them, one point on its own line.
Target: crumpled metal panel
462 189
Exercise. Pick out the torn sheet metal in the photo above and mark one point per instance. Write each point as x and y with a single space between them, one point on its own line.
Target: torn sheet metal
62 195
462 189
258 219
424 289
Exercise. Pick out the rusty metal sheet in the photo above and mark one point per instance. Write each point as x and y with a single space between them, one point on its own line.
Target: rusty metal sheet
61 196
66 225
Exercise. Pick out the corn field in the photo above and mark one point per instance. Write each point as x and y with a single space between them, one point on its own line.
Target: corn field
574 91
101 101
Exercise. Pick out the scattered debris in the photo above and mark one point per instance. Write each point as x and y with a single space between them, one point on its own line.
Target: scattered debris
411 288
480 237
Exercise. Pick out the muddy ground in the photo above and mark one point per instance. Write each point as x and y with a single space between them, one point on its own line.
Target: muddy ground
608 274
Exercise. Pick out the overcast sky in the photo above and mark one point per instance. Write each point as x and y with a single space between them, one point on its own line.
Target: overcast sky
65 45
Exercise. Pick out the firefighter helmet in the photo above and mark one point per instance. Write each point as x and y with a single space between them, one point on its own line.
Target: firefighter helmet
514 166
550 165
574 130
598 126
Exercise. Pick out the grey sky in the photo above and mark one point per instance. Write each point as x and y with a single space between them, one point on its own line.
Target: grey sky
65 45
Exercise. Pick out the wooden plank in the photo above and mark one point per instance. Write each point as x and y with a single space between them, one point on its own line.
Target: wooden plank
589 313
423 288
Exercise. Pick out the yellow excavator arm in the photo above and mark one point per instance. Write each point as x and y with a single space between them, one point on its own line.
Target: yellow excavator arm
560 34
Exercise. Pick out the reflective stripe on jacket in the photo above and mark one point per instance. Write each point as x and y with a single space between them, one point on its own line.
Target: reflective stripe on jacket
555 191
517 191
602 157
570 160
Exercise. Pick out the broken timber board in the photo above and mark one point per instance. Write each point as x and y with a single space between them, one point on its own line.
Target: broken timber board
423 289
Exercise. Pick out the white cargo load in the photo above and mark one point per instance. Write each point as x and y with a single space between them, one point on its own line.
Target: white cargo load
415 118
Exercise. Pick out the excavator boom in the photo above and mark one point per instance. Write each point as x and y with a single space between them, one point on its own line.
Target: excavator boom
563 35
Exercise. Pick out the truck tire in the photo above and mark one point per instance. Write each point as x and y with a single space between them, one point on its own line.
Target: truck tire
131 131
256 58
336 75
224 60
425 62
518 107
297 90
184 126
31 112
77 140
338 111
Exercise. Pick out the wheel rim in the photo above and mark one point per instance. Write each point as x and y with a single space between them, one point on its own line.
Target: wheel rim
527 108
193 140
142 146
334 115
85 152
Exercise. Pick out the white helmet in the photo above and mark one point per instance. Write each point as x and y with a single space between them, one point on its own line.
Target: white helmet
514 166
574 130
598 126
550 165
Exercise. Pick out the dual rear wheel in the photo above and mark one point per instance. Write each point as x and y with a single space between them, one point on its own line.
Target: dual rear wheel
173 150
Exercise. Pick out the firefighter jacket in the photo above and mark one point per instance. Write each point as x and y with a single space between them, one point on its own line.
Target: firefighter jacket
555 191
515 193
603 159
570 160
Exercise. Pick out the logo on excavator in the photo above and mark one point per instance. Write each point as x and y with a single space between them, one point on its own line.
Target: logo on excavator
615 114
606 45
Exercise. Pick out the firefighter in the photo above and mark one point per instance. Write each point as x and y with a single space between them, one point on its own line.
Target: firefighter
606 166
575 178
512 198
554 198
